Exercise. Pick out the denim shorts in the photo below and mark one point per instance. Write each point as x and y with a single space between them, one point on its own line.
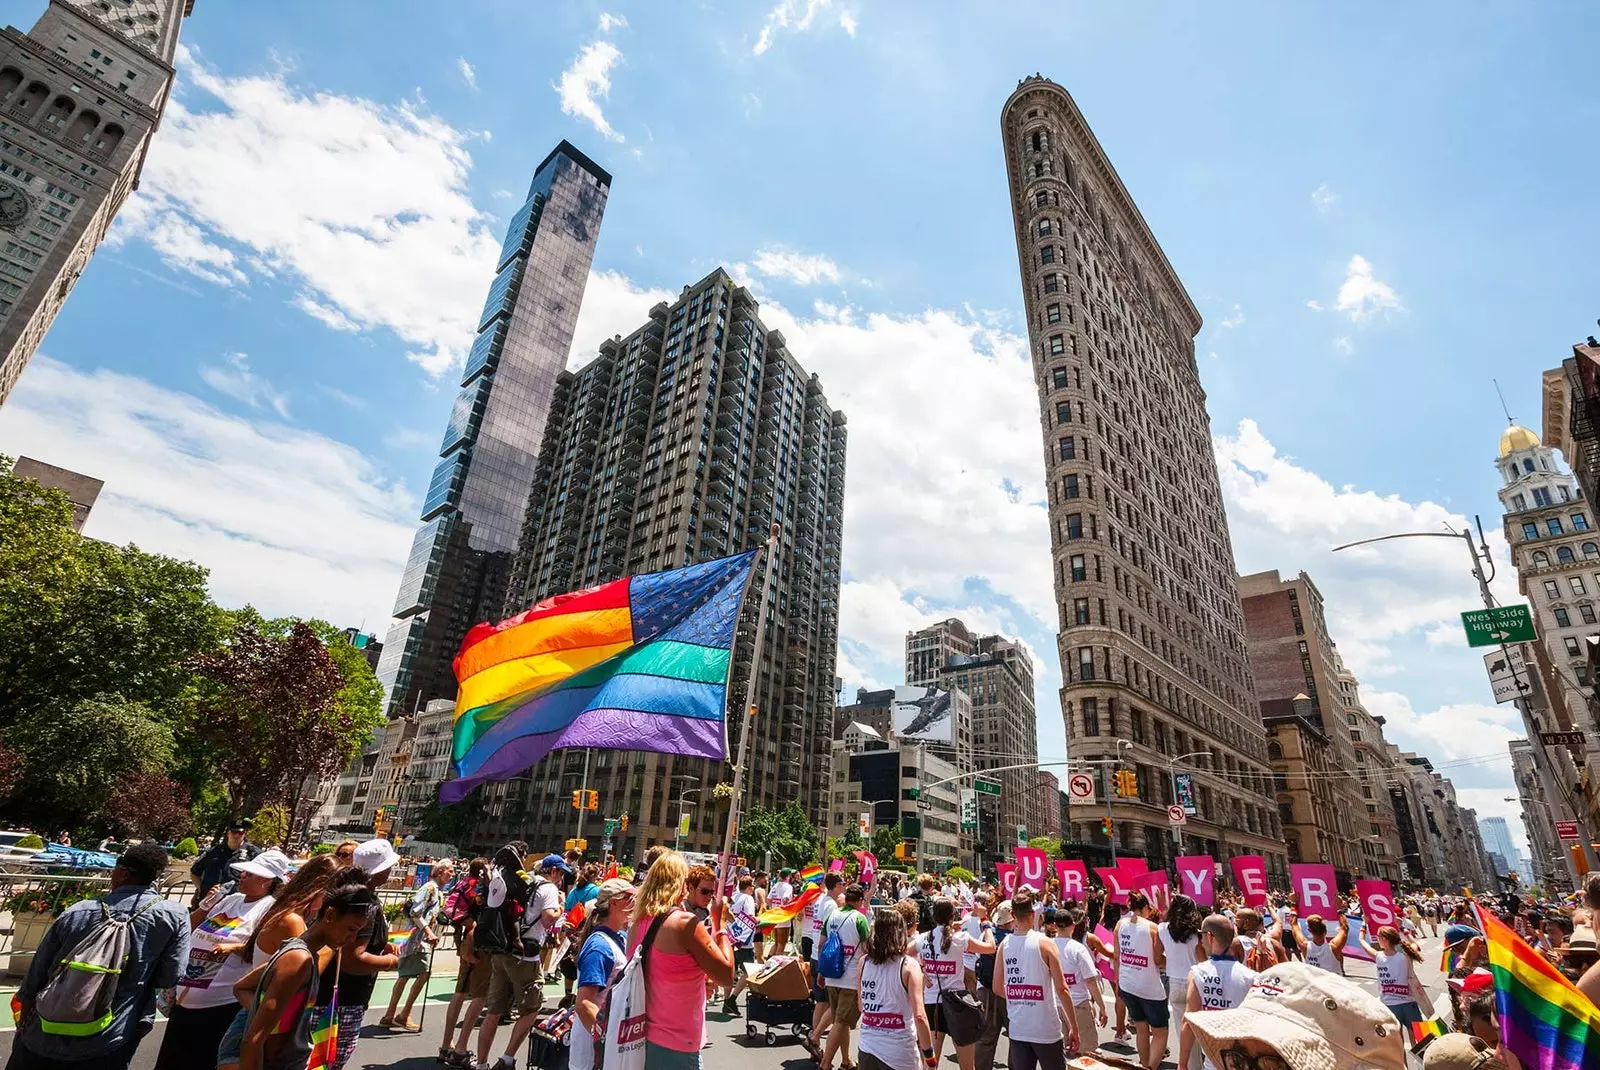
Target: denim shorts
658 1058
1155 1013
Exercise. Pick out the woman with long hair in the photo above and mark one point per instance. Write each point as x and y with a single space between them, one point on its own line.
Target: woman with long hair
462 906
1140 960
894 1021
941 954
1398 985
1180 939
682 957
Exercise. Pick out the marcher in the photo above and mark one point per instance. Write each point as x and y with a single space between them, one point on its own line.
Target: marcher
941 954
215 866
745 930
1139 962
894 1021
818 913
1180 944
683 955
516 973
991 990
203 1006
1322 952
353 973
465 902
280 992
1035 993
1083 979
852 927
158 947
1216 982
416 957
600 954
781 894
1398 985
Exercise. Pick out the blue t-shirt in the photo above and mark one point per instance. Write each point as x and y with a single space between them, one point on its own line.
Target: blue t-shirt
601 954
583 893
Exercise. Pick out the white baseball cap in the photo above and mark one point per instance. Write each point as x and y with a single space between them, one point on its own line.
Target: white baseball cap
274 864
1313 1019
375 856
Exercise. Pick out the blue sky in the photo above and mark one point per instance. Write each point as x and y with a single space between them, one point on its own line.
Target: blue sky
1376 212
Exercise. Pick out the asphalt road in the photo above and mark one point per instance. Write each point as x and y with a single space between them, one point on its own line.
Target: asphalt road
729 1047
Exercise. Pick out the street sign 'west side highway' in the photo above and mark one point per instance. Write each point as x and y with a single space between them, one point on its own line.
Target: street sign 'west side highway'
1502 624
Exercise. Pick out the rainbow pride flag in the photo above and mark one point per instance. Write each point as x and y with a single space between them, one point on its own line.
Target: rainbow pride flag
1544 1021
812 874
1451 955
325 1034
783 915
640 663
1421 1031
398 939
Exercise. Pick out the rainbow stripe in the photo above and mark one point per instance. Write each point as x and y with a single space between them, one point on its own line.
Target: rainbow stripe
641 663
398 938
1544 1021
786 913
812 874
1450 957
325 1035
1421 1031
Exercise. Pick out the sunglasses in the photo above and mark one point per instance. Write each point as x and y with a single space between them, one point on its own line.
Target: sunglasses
705 891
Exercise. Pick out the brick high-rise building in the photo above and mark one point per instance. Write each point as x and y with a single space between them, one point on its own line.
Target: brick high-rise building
472 512
996 673
1151 635
82 93
1294 659
1382 855
685 441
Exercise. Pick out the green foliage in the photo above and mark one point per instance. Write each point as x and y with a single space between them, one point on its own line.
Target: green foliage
961 873
31 842
270 827
451 824
74 757
322 849
787 833
1051 845
186 848
885 840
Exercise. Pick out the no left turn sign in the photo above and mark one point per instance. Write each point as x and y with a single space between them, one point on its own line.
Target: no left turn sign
1080 786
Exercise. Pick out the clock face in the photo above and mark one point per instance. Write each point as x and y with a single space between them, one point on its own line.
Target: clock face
14 204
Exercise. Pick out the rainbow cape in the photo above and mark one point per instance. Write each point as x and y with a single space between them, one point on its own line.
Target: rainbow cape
783 915
640 663
1421 1031
1544 1021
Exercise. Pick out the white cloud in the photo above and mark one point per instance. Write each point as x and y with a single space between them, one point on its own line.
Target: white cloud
1323 198
236 380
847 22
1232 319
1363 296
287 520
609 22
468 74
588 81
1344 345
797 16
804 269
362 205
612 305
1314 305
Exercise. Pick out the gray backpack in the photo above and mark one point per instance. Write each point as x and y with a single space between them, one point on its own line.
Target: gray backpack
77 999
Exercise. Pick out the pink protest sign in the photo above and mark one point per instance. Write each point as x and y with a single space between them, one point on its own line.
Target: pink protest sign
1115 882
1197 877
1250 874
1377 905
1008 878
868 863
1073 877
836 866
1315 889
1135 866
1032 865
1154 886
1104 965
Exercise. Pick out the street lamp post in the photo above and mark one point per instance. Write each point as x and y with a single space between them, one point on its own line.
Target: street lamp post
1552 776
677 822
1172 776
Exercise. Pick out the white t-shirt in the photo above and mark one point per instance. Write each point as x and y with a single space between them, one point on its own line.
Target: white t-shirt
972 925
531 925
941 973
744 909
817 915
1322 956
1030 995
1077 968
1136 953
888 1017
1394 978
1221 985
214 959
781 893
846 923
1179 958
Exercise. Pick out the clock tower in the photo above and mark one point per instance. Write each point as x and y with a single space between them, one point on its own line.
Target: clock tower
80 96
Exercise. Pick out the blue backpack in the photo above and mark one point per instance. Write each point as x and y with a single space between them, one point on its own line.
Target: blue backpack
830 958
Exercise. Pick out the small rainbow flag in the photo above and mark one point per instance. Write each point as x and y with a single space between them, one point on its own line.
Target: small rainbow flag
325 1035
220 925
1451 955
812 874
783 915
1544 1021
1421 1031
638 663
399 938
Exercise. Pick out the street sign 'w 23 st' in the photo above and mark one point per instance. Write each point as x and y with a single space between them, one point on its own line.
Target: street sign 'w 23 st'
1502 624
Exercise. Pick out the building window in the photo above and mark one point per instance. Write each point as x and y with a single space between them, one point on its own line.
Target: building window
1068 448
1553 525
1080 611
1551 589
1069 486
1052 283
1058 377
1091 716
1571 645
1591 550
1541 497
1058 346
1580 522
1052 313
1565 555
1530 530
1563 619
1086 661
1079 572
1063 412
1042 199
1075 525
1541 559
1518 502
1047 255
1586 611
1576 583
1044 228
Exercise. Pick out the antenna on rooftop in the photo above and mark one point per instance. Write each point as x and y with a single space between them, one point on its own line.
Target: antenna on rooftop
1503 407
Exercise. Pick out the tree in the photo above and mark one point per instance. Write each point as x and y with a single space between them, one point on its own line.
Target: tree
10 771
149 805
961 873
273 706
81 618
452 824
73 756
1051 845
787 833
270 826
885 840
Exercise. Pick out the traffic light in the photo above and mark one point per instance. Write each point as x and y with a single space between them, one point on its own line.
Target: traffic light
577 800
1105 825
593 801
622 823
577 845
1127 782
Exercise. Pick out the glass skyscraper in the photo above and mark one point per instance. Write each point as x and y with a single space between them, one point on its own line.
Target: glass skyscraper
472 515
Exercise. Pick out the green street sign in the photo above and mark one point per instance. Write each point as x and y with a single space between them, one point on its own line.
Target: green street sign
611 826
1503 624
986 787
1022 835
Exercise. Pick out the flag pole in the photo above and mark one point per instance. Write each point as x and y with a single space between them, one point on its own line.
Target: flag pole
771 557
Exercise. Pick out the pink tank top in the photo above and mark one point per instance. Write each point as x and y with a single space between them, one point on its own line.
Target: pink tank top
675 999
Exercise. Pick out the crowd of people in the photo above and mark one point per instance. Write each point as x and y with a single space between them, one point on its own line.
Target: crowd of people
276 961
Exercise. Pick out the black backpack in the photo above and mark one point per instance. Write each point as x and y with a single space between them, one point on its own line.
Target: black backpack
499 928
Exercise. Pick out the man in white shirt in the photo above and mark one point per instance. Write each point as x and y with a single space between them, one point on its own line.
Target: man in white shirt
744 932
817 915
1220 982
781 893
